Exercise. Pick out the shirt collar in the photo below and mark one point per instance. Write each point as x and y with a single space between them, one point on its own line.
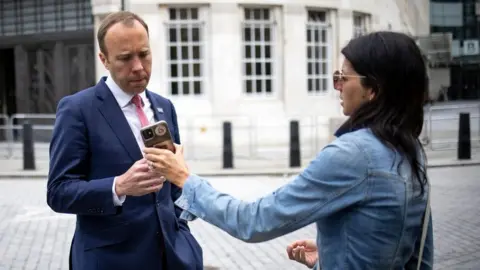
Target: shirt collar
123 98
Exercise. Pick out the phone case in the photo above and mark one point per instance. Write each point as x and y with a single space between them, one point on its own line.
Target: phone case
157 135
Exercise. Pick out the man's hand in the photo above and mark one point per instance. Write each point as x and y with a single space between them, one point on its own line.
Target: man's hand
304 252
138 180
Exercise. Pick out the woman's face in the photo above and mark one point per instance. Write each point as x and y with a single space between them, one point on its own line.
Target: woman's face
352 93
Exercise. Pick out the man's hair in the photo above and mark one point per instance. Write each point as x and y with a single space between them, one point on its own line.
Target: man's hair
125 17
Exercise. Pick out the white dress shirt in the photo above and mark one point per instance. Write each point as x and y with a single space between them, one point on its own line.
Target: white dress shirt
124 100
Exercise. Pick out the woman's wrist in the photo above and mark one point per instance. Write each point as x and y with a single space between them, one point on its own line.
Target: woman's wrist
181 179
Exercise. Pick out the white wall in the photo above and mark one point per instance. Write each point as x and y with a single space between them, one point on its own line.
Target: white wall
201 117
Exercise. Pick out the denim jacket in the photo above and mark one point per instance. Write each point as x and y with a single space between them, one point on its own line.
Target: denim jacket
361 195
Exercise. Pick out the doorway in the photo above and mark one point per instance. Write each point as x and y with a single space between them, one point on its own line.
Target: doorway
7 88
7 82
472 83
465 82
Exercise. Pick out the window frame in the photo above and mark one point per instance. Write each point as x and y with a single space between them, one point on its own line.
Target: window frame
202 23
276 50
320 26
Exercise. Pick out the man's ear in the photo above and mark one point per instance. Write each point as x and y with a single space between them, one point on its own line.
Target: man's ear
104 60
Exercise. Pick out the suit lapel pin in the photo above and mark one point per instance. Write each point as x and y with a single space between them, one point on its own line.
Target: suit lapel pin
160 110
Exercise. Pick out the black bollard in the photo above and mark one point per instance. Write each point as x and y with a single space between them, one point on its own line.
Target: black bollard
227 146
294 144
464 149
28 147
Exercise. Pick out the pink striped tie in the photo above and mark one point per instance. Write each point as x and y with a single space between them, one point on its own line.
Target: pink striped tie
137 100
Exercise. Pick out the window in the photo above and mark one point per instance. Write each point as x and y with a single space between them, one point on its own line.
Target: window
360 22
258 47
185 36
446 14
43 16
318 52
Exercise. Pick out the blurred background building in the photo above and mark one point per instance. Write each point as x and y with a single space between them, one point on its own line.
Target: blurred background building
46 52
461 19
256 63
273 59
213 58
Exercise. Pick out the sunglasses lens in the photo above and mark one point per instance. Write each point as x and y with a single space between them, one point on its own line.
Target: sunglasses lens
337 78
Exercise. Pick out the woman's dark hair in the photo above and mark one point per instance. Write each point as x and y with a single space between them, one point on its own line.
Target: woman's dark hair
395 70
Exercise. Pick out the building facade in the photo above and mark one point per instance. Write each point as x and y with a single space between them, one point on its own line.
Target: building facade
46 52
460 18
258 59
256 63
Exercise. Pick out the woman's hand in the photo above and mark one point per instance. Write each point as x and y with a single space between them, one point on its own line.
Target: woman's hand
304 252
170 164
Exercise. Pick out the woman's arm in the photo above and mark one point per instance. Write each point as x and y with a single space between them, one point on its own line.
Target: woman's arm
336 179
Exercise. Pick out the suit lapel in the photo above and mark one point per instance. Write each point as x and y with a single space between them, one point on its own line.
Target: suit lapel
159 114
156 107
115 118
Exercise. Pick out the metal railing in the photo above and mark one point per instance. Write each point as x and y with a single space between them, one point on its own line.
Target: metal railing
441 125
253 138
42 125
5 131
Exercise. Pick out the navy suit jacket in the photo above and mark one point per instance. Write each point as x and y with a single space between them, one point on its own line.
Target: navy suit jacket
92 143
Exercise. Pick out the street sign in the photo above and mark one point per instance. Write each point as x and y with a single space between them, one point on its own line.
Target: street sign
470 47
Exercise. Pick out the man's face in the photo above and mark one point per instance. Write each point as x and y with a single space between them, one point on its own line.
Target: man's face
128 56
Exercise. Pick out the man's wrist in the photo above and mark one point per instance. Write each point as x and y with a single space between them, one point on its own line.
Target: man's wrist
118 200
118 189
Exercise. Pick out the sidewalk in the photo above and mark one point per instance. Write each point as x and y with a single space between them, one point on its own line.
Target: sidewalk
35 238
13 168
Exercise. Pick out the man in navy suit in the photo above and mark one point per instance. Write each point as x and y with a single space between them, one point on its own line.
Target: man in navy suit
126 217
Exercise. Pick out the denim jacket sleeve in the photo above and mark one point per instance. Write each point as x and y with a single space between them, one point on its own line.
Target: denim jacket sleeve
334 180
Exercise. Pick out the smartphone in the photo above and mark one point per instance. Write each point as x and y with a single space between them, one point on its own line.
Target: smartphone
158 135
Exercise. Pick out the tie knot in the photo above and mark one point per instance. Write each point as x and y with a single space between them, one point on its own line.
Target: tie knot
137 100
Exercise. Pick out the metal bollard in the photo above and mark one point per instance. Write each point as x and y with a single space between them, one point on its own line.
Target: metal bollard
464 149
28 147
227 146
295 159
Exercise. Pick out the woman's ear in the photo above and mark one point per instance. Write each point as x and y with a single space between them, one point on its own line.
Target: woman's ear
370 94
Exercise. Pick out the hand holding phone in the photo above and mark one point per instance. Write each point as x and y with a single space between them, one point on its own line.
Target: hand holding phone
158 135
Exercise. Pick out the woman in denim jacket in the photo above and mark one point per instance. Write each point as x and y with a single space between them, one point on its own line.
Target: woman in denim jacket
366 191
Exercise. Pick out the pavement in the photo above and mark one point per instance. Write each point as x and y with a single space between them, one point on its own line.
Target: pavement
32 237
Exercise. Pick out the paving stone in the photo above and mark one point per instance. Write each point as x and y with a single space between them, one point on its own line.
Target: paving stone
32 237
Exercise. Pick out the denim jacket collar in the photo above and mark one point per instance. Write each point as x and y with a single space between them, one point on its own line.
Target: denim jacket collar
345 128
